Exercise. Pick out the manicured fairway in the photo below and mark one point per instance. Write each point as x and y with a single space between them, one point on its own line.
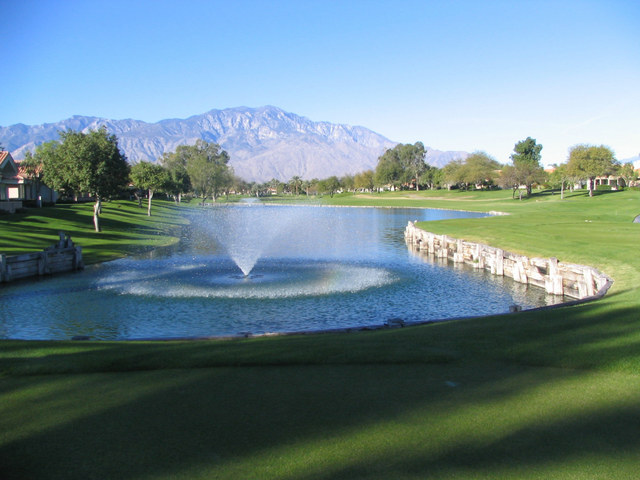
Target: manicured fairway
547 394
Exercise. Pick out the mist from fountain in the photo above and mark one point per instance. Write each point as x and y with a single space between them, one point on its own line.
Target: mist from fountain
246 231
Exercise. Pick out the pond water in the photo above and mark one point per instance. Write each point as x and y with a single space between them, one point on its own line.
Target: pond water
259 269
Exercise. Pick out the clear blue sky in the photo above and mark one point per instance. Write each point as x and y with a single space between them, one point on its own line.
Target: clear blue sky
456 75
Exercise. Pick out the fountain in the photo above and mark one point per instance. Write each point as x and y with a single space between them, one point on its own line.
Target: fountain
259 269
246 232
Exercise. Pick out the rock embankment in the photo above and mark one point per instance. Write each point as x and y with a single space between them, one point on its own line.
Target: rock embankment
557 278
64 256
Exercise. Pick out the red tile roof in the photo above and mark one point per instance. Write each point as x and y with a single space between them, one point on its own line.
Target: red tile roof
22 171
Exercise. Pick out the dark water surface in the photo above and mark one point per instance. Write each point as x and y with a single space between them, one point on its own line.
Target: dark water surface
310 268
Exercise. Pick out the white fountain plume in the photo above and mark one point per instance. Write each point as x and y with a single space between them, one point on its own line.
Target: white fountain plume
247 231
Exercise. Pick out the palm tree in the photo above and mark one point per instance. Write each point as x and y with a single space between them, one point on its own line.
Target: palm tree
295 182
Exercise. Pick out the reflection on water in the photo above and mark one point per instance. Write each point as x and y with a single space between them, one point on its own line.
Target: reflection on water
316 268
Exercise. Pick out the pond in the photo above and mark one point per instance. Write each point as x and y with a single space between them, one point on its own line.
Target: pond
259 269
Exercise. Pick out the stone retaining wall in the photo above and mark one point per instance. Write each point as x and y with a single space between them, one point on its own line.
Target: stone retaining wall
557 278
61 257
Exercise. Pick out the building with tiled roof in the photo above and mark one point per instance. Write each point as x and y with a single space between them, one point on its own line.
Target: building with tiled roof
17 186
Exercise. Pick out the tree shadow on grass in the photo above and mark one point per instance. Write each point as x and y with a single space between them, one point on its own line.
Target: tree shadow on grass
370 405
121 229
315 422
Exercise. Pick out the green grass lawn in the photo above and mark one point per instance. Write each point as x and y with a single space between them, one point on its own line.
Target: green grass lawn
544 394
125 228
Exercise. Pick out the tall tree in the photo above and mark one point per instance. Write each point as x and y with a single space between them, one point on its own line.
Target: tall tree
329 185
32 168
240 185
46 154
364 180
400 165
151 177
295 183
389 170
526 159
453 174
306 186
276 185
559 178
429 176
178 182
347 182
437 177
479 169
588 162
628 173
412 160
207 167
509 179
87 162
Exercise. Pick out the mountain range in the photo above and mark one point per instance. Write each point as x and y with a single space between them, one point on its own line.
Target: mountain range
263 143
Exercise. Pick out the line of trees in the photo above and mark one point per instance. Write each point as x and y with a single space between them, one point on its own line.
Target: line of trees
403 167
92 164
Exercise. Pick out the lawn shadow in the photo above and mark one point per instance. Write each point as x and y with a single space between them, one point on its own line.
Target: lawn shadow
315 422
509 394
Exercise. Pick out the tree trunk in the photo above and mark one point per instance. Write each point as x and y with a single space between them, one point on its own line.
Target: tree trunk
590 185
149 205
562 190
97 209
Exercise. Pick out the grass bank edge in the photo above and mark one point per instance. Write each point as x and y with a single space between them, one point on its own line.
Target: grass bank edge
126 228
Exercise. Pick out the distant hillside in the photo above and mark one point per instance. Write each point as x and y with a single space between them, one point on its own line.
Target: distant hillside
263 143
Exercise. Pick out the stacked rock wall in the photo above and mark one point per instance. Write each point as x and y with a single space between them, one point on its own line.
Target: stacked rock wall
557 278
64 256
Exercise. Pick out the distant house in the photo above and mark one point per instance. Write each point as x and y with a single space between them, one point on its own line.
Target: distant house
16 187
614 181
9 183
33 188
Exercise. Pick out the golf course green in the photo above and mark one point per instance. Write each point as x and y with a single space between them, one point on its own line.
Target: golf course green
532 395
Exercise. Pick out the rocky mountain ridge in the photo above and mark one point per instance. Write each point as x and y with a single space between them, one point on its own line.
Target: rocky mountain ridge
263 143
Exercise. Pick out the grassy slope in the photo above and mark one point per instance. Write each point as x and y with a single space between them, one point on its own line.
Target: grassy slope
125 227
535 395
